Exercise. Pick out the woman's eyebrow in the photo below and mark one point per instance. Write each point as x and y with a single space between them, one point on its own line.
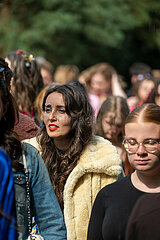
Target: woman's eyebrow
59 106
48 105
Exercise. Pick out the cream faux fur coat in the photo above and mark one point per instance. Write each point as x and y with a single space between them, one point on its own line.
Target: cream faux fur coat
98 166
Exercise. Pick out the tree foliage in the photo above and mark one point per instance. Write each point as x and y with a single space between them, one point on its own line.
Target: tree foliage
81 32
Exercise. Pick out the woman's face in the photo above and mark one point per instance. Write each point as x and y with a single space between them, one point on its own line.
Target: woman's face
46 76
99 85
142 161
111 127
145 89
58 123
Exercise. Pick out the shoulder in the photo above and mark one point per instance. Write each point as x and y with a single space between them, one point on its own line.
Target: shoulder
94 100
33 142
27 121
100 156
144 206
29 150
148 197
26 127
5 161
33 157
118 185
100 149
112 192
99 143
3 155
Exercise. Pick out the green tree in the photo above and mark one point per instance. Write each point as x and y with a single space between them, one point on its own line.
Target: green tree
81 32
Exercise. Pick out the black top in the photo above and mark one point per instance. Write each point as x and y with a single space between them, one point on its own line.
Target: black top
144 222
111 210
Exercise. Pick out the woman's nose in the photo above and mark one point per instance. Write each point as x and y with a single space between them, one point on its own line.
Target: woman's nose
52 115
141 149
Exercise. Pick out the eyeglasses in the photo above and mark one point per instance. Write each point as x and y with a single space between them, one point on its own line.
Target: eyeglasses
150 145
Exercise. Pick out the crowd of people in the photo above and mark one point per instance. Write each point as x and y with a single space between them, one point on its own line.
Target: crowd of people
79 152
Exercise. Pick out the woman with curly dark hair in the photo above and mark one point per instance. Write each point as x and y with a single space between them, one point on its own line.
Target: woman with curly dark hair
48 216
79 163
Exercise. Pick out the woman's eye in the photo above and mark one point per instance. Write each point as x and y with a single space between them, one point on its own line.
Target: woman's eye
48 110
109 123
150 142
61 110
132 142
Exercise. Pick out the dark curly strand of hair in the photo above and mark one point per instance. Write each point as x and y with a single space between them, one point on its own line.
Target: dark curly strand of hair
61 163
9 115
27 79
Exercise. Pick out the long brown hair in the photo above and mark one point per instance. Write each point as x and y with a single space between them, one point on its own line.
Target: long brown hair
116 105
61 163
27 80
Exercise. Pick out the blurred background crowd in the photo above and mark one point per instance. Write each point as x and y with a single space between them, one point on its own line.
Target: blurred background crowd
111 49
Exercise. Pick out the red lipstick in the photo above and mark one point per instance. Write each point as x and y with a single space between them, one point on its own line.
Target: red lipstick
52 127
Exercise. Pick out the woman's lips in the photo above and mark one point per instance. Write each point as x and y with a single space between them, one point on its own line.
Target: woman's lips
142 161
52 127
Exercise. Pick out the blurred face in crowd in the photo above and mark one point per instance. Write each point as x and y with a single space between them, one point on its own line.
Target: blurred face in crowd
99 85
145 89
46 76
111 127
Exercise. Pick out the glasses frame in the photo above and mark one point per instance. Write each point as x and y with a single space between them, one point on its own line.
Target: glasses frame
141 144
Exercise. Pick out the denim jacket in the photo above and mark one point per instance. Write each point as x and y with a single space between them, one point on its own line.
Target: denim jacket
44 204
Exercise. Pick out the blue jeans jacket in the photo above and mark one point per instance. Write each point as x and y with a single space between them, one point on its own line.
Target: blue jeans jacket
7 201
44 204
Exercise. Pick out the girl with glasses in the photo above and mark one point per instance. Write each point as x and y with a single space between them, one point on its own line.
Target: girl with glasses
114 203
